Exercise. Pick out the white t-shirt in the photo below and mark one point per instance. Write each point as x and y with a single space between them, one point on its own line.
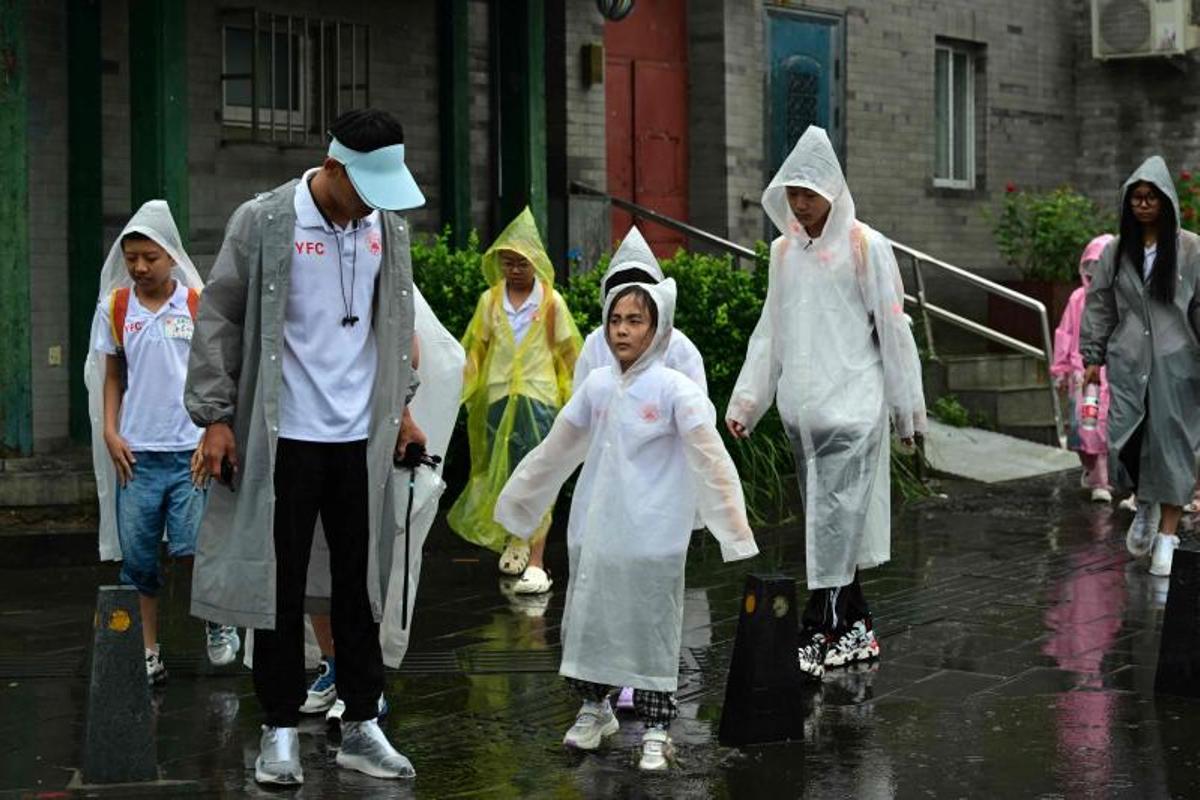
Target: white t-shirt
157 344
1148 261
519 319
328 367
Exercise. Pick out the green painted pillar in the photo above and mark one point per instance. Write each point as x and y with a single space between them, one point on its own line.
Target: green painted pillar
454 95
16 397
85 212
158 111
519 58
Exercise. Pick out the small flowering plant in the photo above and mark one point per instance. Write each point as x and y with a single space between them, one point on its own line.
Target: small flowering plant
1188 188
1043 233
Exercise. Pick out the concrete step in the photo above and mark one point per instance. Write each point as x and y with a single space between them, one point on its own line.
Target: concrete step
64 479
1009 405
986 371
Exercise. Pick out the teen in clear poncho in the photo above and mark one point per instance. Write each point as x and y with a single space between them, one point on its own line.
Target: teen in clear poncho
834 351
634 262
153 220
521 347
652 459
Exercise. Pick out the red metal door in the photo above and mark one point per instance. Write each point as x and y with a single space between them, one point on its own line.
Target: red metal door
646 106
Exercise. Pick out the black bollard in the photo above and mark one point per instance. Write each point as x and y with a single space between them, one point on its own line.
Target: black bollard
118 743
1179 649
764 696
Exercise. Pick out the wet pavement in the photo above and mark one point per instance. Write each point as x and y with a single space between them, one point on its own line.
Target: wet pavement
1019 646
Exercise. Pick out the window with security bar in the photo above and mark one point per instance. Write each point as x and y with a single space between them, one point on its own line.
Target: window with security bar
285 77
954 111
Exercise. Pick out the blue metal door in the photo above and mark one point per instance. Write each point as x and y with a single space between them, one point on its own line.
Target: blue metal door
804 81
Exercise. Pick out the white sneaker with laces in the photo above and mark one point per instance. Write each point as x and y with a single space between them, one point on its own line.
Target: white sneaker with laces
156 670
366 749
222 643
1140 537
858 643
1164 554
657 750
278 759
812 655
592 724
534 580
1101 495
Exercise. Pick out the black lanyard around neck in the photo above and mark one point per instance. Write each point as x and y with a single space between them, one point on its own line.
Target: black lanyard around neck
350 319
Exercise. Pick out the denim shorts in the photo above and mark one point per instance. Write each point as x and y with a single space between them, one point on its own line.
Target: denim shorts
160 499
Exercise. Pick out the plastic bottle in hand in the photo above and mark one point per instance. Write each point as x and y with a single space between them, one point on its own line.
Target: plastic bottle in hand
1089 411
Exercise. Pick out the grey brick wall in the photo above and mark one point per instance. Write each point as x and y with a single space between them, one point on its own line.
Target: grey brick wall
403 80
588 221
48 301
1130 109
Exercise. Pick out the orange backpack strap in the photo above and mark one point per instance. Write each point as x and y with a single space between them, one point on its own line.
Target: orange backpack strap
118 308
193 301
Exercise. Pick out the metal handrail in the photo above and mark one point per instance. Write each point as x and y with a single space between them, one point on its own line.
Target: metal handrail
667 222
919 300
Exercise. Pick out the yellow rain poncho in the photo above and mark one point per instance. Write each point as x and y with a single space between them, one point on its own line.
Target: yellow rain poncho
512 390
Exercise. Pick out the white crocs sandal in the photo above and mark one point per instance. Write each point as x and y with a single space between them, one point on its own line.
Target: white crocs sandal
515 557
533 581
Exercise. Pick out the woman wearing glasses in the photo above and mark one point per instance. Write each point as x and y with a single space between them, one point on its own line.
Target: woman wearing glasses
1142 321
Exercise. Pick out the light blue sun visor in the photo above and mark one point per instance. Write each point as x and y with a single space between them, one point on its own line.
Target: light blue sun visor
380 176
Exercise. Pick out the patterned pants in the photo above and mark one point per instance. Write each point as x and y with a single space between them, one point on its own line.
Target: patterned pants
656 709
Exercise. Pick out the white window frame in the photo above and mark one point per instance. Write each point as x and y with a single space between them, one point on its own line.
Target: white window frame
239 115
967 182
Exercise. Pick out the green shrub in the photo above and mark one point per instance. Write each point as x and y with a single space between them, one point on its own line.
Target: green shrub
948 410
1043 233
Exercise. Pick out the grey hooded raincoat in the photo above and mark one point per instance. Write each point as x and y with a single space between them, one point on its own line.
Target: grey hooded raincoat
235 375
1153 357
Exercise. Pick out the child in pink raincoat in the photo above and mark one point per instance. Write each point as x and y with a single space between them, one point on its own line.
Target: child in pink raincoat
1067 371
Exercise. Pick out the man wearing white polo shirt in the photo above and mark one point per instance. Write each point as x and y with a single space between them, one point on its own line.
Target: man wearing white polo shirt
300 373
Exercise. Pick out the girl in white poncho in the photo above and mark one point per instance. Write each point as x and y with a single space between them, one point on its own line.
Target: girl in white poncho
834 351
651 458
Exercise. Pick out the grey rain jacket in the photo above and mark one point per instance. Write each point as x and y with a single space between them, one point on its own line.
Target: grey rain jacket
235 374
1153 358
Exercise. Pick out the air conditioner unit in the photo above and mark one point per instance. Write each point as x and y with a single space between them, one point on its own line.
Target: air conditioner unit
1142 28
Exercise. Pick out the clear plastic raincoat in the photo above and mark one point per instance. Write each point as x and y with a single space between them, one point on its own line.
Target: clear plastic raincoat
681 355
153 219
833 349
1152 354
651 459
511 391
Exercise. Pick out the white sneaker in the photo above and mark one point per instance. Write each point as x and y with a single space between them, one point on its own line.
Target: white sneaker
592 724
657 750
1129 503
278 759
1101 495
1140 537
1164 553
533 581
156 670
323 692
222 643
366 749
